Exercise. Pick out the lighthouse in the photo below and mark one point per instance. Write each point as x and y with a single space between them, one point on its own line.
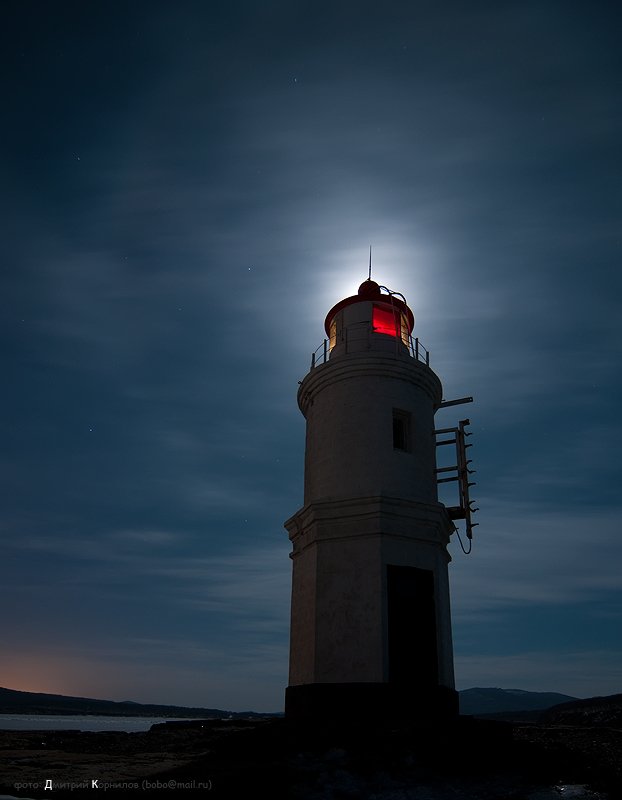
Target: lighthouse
370 607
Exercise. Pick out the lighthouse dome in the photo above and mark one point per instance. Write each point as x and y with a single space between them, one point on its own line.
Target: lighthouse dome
369 289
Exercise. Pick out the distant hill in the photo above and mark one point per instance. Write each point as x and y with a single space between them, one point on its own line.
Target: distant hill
595 712
488 701
501 703
15 702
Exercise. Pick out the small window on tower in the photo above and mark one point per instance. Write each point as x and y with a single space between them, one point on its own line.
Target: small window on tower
333 333
401 430
404 329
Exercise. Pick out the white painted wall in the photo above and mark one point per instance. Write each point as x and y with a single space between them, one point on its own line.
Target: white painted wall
366 505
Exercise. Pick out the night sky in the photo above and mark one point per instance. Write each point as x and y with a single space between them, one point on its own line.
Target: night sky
188 188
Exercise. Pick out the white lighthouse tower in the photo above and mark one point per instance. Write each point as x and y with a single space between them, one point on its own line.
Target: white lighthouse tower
370 614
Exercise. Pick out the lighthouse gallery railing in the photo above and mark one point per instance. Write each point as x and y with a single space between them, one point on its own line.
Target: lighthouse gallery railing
415 348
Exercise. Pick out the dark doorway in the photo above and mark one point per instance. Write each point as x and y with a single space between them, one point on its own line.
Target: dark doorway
413 657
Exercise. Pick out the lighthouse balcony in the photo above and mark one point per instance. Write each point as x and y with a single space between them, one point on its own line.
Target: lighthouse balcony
364 336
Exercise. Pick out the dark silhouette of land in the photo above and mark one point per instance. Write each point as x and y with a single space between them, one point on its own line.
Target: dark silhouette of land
385 759
15 702
478 701
501 702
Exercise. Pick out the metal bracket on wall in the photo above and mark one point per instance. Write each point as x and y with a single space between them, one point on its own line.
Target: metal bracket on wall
462 471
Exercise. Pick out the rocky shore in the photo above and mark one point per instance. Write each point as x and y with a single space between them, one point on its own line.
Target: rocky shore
377 761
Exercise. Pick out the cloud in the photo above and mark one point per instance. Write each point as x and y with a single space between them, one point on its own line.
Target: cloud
152 538
206 630
243 586
165 292
526 556
170 671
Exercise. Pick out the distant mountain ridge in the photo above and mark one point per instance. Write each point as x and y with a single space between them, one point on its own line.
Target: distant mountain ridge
480 701
473 702
13 701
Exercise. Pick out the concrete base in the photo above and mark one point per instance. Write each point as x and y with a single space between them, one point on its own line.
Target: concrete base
369 701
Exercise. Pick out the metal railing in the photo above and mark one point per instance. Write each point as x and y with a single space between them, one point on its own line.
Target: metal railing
320 354
415 348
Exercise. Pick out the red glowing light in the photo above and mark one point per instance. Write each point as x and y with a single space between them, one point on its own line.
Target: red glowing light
386 320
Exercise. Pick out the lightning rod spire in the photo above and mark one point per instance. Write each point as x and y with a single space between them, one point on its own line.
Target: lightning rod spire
369 276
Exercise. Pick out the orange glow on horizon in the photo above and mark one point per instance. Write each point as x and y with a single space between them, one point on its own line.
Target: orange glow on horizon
45 674
33 676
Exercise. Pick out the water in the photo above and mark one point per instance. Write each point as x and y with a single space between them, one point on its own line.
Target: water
38 722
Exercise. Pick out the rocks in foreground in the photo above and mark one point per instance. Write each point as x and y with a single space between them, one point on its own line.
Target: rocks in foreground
238 758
